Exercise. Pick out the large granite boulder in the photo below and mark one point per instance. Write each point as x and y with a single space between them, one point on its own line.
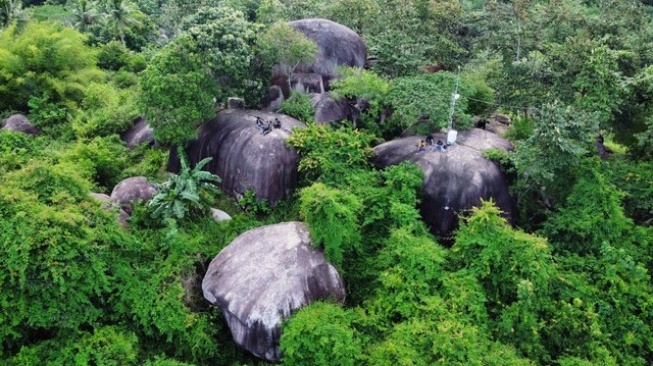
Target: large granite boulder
337 46
20 123
262 277
132 190
139 133
455 180
243 157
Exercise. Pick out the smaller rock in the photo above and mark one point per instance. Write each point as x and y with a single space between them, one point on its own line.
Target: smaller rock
501 118
109 205
235 103
139 133
273 99
131 190
20 123
219 215
329 110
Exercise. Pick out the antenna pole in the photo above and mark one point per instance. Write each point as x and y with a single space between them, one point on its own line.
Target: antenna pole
454 97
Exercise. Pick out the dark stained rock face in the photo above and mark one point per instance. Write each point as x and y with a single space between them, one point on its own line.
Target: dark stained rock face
139 133
455 180
329 110
20 123
306 83
131 190
262 277
243 157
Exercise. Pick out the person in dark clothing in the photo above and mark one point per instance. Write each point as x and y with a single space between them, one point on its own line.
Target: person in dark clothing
430 140
262 127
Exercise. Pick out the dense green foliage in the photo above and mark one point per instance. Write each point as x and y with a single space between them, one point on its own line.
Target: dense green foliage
569 284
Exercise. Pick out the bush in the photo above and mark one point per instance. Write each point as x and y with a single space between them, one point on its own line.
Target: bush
100 160
107 110
333 219
321 335
44 60
113 56
299 106
56 250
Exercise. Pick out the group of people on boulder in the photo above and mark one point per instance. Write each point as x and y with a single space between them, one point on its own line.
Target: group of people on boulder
265 128
430 141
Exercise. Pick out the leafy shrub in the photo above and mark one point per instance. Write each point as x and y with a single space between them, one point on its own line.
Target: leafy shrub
107 110
56 251
113 56
124 79
16 149
332 217
320 334
479 95
52 118
299 106
101 160
330 155
44 59
360 83
521 128
187 194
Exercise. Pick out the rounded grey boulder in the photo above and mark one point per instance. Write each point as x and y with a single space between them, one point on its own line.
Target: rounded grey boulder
20 123
455 180
337 45
244 157
219 215
262 277
139 133
131 190
327 109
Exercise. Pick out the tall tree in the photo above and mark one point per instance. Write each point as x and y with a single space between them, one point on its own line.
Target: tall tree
120 16
86 16
10 10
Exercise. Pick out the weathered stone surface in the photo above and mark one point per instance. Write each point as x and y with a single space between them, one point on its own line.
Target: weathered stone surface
337 46
109 205
131 190
456 180
139 133
272 101
306 83
235 103
501 118
243 157
20 123
262 277
329 110
219 215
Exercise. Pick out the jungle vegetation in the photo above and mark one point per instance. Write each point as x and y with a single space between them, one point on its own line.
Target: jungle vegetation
569 284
